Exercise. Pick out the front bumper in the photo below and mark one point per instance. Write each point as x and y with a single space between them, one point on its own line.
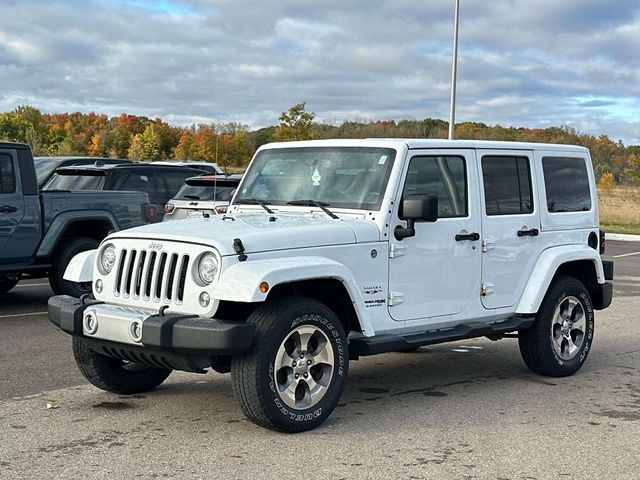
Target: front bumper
179 334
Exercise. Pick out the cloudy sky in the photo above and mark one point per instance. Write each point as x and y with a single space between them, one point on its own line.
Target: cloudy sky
522 62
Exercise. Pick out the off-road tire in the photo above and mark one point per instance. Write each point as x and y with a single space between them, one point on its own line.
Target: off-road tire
537 342
114 375
254 377
64 253
7 282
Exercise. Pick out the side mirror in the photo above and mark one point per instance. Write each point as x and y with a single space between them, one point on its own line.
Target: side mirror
416 208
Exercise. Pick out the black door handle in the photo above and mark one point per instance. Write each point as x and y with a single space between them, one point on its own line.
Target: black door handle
528 233
8 209
468 236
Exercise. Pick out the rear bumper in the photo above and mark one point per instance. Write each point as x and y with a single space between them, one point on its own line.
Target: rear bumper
180 334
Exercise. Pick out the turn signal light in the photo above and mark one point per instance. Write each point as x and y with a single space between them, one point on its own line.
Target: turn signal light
221 210
169 207
263 287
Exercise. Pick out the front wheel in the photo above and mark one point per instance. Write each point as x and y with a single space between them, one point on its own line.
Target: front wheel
294 374
64 254
115 375
558 342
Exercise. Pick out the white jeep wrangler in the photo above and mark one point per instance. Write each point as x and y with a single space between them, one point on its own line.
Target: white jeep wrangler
337 249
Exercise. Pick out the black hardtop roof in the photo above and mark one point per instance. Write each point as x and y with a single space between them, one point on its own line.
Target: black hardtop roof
14 145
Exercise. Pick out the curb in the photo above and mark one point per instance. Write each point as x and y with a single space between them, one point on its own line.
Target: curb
622 237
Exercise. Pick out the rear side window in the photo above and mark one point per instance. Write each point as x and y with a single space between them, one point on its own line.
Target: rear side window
507 185
7 177
173 181
135 182
445 177
567 184
75 182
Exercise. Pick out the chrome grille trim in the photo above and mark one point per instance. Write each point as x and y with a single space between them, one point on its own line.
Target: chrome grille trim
151 276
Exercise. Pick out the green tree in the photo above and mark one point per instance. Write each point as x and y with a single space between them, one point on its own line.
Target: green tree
295 124
146 145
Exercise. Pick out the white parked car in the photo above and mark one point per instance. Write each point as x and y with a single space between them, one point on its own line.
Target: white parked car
202 196
337 249
209 167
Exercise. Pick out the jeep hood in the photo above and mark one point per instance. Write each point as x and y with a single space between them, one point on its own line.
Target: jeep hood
258 234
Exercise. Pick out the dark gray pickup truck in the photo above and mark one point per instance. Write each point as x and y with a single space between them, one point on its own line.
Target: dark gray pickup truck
40 232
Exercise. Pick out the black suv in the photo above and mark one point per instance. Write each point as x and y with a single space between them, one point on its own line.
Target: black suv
160 182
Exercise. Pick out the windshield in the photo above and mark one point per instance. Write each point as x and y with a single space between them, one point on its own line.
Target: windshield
44 166
218 193
342 177
75 182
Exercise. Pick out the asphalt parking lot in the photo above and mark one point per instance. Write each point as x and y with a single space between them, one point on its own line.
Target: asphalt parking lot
465 410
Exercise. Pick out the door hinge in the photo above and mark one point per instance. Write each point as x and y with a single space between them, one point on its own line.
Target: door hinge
396 298
486 289
396 251
487 244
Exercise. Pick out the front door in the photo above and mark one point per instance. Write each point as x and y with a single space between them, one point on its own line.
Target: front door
437 272
11 206
510 225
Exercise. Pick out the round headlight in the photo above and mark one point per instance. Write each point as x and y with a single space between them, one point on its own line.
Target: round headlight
108 259
208 268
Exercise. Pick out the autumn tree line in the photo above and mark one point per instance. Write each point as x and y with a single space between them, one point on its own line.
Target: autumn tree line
233 144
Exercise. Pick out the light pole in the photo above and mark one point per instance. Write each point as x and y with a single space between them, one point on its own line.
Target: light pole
454 71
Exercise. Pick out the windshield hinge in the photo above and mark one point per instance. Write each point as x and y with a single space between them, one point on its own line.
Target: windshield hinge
396 251
238 247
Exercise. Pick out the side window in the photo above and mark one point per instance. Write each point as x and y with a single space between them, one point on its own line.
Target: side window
7 177
171 182
567 184
507 185
135 182
445 177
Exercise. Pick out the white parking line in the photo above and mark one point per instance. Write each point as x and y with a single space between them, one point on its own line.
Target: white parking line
29 314
32 285
625 255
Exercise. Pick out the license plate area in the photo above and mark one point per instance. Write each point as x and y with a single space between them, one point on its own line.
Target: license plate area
114 324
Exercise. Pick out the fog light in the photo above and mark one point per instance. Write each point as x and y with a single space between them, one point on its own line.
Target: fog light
204 299
90 323
135 330
98 286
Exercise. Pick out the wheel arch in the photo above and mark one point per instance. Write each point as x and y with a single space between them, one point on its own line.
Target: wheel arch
318 278
582 263
90 224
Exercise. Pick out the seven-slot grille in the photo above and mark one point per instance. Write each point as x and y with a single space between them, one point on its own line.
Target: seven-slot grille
151 275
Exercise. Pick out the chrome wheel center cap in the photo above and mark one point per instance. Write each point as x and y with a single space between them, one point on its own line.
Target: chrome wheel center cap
301 366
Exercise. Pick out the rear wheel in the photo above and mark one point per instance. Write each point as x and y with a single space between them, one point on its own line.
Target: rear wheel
7 282
64 254
558 343
294 374
115 375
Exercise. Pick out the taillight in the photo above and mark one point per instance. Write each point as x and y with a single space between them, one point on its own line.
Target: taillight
602 242
221 210
151 212
169 207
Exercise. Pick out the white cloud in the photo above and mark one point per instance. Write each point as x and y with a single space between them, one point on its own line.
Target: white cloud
522 62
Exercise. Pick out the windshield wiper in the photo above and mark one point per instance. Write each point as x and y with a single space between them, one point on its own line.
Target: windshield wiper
192 197
253 201
312 203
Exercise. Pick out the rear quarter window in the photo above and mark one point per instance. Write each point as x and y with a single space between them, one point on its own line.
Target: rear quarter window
566 182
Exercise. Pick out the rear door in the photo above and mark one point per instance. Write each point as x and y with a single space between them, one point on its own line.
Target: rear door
510 224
